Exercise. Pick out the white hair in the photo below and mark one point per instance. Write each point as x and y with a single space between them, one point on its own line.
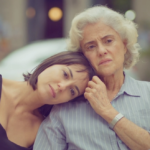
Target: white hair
127 30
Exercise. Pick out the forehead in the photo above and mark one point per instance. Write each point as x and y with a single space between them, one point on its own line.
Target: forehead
77 67
79 71
97 30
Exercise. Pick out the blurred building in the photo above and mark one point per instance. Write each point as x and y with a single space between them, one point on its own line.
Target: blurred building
142 10
26 21
12 25
29 20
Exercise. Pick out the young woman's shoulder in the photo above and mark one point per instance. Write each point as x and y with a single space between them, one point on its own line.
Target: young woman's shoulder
33 122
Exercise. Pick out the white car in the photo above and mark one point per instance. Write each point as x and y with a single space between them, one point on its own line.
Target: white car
27 58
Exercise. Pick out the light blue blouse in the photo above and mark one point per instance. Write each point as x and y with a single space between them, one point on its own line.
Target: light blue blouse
76 126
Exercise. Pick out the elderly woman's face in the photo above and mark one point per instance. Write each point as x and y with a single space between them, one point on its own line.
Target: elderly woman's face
104 48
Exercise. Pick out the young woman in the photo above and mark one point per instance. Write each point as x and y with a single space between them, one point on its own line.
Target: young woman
24 105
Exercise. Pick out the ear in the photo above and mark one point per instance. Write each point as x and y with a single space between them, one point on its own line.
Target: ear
125 45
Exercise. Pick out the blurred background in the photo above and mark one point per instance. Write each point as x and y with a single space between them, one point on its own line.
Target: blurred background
32 30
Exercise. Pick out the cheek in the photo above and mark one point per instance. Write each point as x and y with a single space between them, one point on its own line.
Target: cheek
64 97
83 86
91 57
119 58
122 49
122 54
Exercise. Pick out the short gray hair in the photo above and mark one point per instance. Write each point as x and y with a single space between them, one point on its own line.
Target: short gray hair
127 30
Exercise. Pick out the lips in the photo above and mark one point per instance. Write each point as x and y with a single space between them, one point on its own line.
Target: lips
105 61
52 91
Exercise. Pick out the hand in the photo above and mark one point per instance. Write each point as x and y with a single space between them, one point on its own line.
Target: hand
96 94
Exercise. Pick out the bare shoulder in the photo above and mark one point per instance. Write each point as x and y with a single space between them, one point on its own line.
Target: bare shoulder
33 124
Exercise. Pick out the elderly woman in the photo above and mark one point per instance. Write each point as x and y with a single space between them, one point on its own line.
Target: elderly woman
122 104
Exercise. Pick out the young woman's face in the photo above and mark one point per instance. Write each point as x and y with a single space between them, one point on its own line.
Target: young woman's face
61 83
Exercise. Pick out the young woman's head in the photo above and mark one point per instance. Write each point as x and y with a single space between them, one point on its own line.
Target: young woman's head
60 78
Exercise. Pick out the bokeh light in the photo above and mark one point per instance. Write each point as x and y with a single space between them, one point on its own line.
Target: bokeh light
55 14
130 14
30 12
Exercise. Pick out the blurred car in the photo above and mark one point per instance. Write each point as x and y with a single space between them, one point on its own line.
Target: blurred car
27 58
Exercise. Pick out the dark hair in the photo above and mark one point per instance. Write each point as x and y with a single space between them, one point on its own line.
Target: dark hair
63 58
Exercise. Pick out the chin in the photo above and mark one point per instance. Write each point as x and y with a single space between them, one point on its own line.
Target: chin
106 73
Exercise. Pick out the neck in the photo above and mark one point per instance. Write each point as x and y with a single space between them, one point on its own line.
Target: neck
21 96
113 84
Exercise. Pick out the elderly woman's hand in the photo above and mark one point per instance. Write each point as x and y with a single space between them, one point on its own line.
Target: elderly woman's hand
96 94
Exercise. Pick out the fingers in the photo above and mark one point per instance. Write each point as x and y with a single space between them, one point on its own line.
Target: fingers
96 83
88 96
91 84
90 93
96 80
88 90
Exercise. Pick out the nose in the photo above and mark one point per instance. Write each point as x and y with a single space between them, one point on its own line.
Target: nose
62 86
101 50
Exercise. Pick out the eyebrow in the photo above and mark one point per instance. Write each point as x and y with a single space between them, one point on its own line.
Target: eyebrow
77 90
107 36
70 71
71 74
91 42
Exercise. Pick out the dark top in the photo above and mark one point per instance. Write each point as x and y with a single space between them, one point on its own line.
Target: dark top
5 144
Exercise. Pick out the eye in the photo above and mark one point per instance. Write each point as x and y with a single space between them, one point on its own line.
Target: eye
72 92
91 47
65 74
108 41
